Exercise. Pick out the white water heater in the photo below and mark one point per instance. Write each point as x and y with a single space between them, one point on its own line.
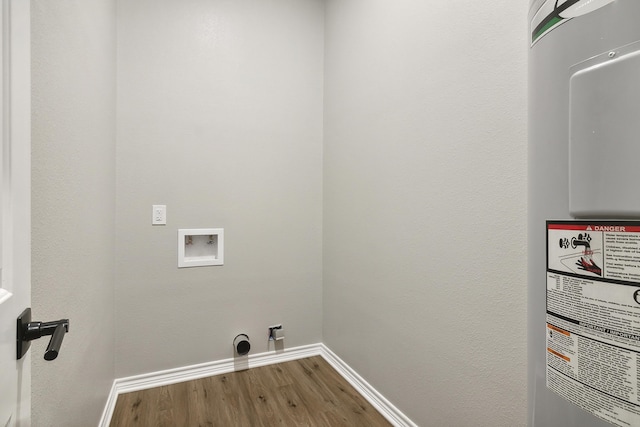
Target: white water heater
584 213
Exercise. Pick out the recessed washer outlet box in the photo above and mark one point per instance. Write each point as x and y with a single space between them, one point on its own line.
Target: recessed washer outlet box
200 247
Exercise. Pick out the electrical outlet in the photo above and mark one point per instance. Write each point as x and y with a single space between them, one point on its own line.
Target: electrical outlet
159 215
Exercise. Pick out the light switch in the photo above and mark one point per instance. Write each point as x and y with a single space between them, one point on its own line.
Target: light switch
159 215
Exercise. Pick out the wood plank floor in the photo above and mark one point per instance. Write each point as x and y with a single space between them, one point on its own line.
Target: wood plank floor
306 392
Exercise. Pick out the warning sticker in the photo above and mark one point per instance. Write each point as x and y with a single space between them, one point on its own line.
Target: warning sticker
593 317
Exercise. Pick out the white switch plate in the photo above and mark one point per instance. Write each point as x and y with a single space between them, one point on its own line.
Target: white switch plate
159 215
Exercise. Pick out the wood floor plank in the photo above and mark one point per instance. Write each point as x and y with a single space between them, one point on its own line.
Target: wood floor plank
341 398
306 392
198 403
259 386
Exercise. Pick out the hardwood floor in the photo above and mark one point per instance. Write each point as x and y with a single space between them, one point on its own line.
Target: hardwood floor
306 392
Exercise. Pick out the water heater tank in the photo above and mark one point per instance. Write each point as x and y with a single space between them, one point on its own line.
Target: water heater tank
584 213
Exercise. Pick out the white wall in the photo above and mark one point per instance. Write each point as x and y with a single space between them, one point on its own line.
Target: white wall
219 118
424 204
73 218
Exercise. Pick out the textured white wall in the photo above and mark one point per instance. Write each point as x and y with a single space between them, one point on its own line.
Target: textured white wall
425 204
219 118
73 218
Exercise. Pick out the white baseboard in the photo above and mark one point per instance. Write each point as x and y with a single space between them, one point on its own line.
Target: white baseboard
188 373
377 400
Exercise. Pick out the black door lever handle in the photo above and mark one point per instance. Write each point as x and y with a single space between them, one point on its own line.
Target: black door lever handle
56 340
28 331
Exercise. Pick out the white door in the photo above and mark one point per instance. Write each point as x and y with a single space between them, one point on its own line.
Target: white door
15 241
